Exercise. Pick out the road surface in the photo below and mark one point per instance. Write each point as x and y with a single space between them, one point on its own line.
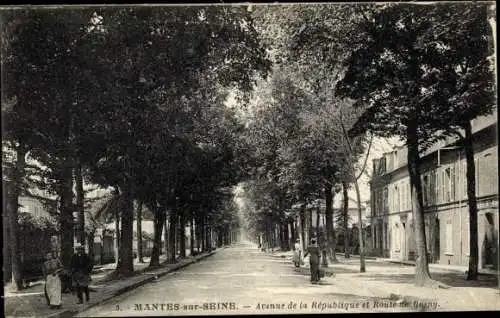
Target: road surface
238 280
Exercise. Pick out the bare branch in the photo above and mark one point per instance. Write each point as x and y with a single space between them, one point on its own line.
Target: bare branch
366 158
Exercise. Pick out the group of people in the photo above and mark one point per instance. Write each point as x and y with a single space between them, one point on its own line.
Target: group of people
314 253
80 270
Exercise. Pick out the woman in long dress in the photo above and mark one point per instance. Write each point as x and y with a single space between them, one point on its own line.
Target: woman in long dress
51 269
297 255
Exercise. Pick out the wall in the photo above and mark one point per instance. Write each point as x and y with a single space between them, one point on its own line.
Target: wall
445 200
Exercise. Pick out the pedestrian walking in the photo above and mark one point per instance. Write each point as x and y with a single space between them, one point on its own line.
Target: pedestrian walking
314 258
51 269
297 255
81 267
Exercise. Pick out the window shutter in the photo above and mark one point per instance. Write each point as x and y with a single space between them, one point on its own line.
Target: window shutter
477 176
438 186
464 178
452 183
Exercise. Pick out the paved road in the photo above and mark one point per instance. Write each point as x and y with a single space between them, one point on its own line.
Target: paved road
236 280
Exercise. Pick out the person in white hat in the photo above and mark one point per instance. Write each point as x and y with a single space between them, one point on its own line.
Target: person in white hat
81 267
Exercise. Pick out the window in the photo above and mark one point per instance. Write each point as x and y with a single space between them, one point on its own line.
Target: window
383 165
437 186
396 199
464 180
380 207
467 245
425 190
447 176
431 197
404 197
458 181
452 183
385 201
397 237
408 195
449 237
476 164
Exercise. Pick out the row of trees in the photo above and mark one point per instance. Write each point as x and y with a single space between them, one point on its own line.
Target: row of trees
418 72
127 98
302 153
134 99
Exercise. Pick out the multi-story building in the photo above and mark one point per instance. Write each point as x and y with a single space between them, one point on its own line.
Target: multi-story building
443 172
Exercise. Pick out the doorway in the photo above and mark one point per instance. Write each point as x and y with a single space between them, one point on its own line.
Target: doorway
437 237
489 246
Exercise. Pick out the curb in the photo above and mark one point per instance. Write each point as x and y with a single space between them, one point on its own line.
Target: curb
71 312
356 256
151 278
445 269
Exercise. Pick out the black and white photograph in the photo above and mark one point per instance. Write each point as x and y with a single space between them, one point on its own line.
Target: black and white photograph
206 159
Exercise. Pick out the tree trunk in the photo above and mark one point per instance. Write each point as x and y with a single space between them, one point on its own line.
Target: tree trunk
6 252
191 236
302 227
362 266
330 231
219 239
286 235
202 235
182 235
66 214
139 233
171 233
345 216
126 256
177 236
197 236
310 224
90 242
207 237
472 272
159 220
318 213
80 199
422 275
167 246
117 236
12 210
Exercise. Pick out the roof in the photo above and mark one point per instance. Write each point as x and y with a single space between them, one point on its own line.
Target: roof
478 124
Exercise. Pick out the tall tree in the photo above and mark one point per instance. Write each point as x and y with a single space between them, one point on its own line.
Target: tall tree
345 217
463 77
139 232
413 46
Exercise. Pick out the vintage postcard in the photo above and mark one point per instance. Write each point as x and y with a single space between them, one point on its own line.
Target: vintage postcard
249 158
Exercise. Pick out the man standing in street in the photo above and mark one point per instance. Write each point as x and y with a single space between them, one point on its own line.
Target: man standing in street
314 258
81 267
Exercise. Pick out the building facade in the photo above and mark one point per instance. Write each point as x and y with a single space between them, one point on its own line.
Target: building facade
443 173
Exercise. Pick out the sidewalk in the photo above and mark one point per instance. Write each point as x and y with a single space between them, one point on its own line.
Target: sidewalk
395 281
451 268
387 281
31 301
